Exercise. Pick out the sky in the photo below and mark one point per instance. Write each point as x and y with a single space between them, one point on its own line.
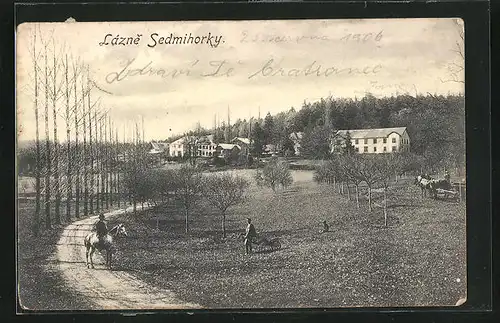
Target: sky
247 67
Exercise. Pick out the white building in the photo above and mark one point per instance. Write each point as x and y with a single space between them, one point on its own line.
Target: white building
179 147
373 141
296 137
206 146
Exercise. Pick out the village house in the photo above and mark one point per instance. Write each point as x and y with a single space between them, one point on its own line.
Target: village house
180 147
243 143
159 148
158 151
373 141
206 146
228 151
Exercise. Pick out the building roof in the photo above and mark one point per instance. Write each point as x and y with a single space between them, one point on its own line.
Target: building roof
228 146
206 139
159 145
183 140
371 133
243 140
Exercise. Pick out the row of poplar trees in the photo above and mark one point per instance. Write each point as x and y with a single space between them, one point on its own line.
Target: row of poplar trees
80 174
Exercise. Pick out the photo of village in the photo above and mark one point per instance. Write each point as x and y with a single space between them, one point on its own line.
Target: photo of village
263 169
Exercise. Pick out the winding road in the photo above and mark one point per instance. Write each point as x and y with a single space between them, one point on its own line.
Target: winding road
105 289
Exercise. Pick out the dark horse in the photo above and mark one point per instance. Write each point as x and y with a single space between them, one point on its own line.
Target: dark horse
436 184
92 244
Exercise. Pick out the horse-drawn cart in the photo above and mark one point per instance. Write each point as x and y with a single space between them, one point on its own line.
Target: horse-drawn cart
456 190
447 193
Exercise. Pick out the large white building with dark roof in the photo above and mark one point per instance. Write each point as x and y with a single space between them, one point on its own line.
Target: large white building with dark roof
373 141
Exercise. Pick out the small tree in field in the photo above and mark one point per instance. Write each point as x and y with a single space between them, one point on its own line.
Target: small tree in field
224 191
188 182
369 174
384 167
351 168
275 173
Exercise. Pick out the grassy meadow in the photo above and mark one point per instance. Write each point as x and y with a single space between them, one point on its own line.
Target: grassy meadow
417 260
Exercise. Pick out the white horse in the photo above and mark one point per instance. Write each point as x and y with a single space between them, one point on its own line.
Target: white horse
92 244
424 182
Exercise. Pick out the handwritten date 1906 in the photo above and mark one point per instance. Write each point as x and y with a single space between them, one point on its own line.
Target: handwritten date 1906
363 38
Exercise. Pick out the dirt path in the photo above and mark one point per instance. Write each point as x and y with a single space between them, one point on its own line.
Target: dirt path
104 288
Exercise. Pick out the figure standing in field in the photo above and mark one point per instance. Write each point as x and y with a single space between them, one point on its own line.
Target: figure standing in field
250 234
447 176
101 229
326 227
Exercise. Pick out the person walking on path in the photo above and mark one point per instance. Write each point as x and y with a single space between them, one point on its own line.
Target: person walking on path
250 235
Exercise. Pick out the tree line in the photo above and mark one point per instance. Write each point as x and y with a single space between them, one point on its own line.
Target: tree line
435 124
187 185
351 169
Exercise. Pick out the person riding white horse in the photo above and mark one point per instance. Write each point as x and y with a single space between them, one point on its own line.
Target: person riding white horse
101 230
101 239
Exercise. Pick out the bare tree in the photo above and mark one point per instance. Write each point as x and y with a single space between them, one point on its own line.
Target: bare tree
224 191
91 151
369 174
97 147
188 180
275 173
384 168
77 154
350 165
55 96
455 68
47 171
117 169
35 55
111 161
101 158
69 195
106 163
85 152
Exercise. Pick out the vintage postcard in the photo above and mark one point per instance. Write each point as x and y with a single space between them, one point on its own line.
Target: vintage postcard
241 164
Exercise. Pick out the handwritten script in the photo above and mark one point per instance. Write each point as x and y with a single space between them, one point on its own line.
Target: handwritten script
249 37
226 68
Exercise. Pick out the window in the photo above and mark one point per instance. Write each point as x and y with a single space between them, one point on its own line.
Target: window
365 149
394 140
374 149
366 141
384 140
374 140
357 149
356 141
385 149
393 148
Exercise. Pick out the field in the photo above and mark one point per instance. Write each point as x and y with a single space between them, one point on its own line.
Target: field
417 260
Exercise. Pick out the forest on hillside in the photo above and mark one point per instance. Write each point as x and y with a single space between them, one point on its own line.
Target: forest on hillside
435 124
